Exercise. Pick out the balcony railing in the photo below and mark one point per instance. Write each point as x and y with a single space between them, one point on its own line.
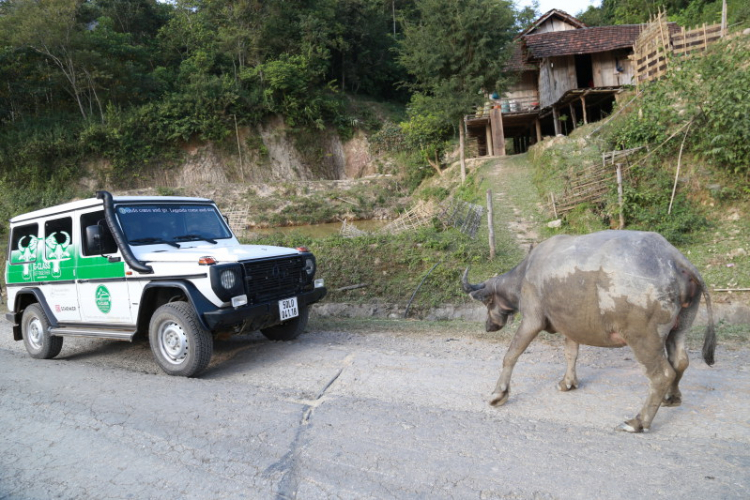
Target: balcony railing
515 105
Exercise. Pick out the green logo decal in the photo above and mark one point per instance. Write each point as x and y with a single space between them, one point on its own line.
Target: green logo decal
103 299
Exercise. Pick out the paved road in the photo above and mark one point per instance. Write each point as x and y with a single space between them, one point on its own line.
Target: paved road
362 415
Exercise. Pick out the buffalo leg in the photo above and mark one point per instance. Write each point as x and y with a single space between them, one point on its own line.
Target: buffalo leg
677 353
650 353
524 335
570 381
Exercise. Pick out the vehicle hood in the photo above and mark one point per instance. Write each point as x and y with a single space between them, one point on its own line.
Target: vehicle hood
192 251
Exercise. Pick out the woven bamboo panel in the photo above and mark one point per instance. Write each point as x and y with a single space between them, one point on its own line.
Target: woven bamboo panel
237 218
591 184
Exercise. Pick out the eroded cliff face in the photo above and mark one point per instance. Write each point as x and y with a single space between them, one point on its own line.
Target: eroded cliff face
285 155
266 154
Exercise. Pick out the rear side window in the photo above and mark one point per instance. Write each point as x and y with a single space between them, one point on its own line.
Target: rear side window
58 237
23 243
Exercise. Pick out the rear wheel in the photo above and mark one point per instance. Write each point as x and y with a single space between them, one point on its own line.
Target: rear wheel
180 344
289 330
36 337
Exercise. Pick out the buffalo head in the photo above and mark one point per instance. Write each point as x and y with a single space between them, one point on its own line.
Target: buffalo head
492 294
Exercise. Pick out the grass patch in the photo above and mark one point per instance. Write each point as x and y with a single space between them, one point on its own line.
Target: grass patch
722 252
393 267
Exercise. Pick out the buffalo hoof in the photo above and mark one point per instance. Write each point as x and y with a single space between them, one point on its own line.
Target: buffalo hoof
566 386
633 426
673 400
499 398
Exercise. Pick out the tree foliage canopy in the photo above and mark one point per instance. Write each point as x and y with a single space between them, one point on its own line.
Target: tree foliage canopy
456 53
124 79
688 13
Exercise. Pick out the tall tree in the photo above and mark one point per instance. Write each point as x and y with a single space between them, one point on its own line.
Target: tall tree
456 51
50 28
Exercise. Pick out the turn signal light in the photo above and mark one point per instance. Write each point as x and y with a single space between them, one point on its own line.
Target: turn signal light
206 261
302 249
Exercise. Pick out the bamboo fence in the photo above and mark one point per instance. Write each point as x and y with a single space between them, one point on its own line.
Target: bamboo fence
657 44
591 184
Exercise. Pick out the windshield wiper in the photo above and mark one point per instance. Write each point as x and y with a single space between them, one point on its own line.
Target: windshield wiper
195 237
154 240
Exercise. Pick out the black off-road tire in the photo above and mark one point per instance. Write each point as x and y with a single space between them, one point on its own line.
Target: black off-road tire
36 337
289 330
180 344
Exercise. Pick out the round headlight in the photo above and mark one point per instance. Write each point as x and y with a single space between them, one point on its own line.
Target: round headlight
228 279
309 266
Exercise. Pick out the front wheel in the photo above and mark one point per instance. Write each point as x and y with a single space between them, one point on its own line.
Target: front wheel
36 337
180 344
288 330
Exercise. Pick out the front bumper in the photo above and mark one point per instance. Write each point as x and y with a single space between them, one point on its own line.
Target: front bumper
256 315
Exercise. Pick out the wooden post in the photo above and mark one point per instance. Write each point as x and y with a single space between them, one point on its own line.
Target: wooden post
498 136
620 197
723 18
490 224
556 119
538 125
488 133
705 38
583 106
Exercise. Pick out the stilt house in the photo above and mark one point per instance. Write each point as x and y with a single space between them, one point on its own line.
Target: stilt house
567 73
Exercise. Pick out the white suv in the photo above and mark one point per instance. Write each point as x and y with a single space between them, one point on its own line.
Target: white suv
113 267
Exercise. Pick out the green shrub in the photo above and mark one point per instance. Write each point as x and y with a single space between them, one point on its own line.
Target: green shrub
646 206
709 90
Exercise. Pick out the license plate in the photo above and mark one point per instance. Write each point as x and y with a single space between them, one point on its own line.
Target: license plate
288 308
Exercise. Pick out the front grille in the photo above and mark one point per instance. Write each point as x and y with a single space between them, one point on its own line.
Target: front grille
274 279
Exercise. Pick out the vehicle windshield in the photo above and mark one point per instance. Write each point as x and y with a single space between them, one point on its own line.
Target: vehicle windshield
171 223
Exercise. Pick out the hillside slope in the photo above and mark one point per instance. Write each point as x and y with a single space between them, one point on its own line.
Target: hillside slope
520 218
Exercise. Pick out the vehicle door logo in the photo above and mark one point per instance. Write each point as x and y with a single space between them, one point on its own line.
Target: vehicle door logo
103 299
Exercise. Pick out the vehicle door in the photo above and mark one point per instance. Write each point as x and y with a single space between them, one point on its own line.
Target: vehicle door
101 285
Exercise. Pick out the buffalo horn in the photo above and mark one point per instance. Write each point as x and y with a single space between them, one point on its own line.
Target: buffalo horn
468 287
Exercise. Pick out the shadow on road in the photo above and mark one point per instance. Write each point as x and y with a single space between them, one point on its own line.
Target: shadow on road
232 356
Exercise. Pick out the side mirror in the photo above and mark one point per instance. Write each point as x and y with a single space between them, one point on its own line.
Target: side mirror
99 240
94 240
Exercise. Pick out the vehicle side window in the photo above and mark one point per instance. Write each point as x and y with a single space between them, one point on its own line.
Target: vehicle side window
97 219
58 237
23 244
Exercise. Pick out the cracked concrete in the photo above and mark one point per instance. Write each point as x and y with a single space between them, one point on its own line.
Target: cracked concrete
289 482
376 415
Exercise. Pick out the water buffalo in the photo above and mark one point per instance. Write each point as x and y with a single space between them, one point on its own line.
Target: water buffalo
606 289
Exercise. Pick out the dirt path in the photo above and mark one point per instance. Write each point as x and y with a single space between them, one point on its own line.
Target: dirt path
512 189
